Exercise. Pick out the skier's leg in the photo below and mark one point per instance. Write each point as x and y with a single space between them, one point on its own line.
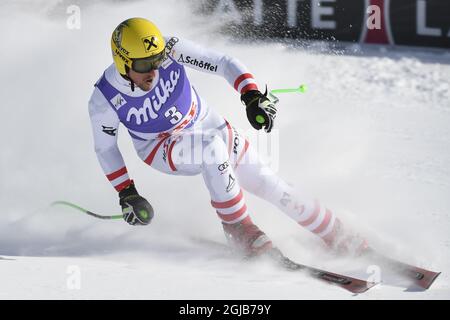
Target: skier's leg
228 199
205 152
260 180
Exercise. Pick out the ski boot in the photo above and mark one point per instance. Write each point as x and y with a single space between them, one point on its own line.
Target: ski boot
344 242
247 238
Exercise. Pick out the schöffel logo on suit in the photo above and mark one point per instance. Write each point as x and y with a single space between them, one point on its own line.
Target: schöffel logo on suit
198 63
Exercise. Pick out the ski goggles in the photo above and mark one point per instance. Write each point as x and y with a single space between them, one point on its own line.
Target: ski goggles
144 65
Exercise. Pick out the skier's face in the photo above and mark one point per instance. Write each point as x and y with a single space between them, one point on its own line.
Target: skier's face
142 80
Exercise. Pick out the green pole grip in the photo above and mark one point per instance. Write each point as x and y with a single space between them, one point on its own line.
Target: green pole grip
301 89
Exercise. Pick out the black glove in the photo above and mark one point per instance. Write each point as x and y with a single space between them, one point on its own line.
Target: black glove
136 210
261 112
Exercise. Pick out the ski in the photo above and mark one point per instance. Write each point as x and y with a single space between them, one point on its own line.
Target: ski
419 276
351 284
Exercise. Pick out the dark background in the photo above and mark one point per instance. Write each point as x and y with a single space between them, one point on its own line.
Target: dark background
400 19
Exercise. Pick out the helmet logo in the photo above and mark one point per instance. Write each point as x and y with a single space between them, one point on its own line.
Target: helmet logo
117 52
117 38
117 35
148 44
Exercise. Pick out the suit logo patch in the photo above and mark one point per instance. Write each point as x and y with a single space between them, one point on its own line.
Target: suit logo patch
109 130
118 101
231 183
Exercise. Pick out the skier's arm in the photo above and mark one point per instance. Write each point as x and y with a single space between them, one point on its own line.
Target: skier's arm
204 59
261 112
105 126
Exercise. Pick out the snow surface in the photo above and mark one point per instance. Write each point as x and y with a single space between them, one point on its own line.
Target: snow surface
370 139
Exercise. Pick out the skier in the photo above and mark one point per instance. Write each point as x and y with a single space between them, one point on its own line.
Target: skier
175 131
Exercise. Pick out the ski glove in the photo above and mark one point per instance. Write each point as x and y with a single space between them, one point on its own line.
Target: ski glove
136 210
261 112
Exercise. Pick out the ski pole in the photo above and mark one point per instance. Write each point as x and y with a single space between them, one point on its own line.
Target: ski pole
99 216
301 89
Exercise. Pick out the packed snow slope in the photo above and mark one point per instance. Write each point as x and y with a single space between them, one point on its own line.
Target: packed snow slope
370 139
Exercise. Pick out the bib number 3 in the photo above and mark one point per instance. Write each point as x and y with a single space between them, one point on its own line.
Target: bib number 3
174 115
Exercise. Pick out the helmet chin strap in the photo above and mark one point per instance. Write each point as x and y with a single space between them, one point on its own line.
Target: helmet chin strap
126 77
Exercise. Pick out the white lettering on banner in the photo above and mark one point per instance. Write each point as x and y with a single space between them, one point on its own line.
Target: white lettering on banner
258 12
292 13
153 104
318 11
421 21
374 18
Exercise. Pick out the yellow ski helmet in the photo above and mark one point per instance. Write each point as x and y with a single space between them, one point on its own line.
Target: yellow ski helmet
137 44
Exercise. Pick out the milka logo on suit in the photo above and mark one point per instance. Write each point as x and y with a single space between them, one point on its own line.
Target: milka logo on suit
154 103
